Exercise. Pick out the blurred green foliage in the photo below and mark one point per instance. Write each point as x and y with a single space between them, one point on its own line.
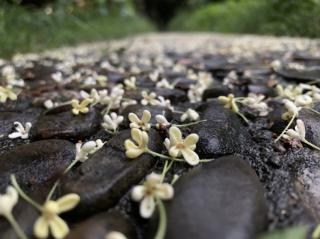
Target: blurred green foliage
30 29
276 17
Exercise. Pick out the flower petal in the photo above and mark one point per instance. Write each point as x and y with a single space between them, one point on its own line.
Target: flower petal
174 151
191 139
136 134
165 191
137 193
133 118
175 135
132 151
301 128
14 135
59 228
146 116
190 156
41 228
68 202
147 207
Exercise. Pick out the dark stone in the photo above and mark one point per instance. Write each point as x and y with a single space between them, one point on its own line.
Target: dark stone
222 133
36 163
174 95
299 75
108 175
261 89
215 92
21 104
66 125
138 110
98 226
221 199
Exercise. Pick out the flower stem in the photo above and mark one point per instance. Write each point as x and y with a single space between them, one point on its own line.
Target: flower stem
155 154
310 144
313 110
15 226
286 128
206 160
55 185
243 117
22 194
107 109
189 124
166 168
316 232
162 227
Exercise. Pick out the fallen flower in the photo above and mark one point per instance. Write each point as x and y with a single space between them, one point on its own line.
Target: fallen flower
149 99
21 131
292 110
162 122
130 84
142 123
112 121
84 150
178 146
229 102
80 107
140 144
8 201
152 188
50 219
7 93
190 114
115 235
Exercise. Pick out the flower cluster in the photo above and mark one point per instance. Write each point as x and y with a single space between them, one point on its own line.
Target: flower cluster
112 121
255 102
84 150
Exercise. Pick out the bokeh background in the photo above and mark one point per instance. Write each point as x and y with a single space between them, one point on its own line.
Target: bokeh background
35 25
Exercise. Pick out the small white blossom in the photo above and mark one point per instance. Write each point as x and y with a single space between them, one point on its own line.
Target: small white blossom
114 98
126 103
299 133
140 144
142 123
21 131
164 102
80 107
7 93
84 150
112 121
154 76
229 102
190 114
49 104
162 122
292 110
57 77
8 201
303 100
178 146
164 83
130 83
255 102
50 217
95 96
153 187
149 99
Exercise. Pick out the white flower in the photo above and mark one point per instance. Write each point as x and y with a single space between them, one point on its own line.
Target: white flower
115 97
164 83
142 123
8 73
190 114
163 102
299 133
7 93
154 76
255 102
50 219
128 102
49 104
130 83
84 150
303 100
115 235
195 92
149 99
162 122
80 107
178 146
140 144
21 132
112 121
153 187
57 77
229 102
292 110
95 96
8 201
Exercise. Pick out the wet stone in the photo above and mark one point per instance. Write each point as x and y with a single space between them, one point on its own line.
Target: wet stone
312 124
100 225
222 133
299 75
66 125
36 163
104 178
174 95
21 104
208 202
